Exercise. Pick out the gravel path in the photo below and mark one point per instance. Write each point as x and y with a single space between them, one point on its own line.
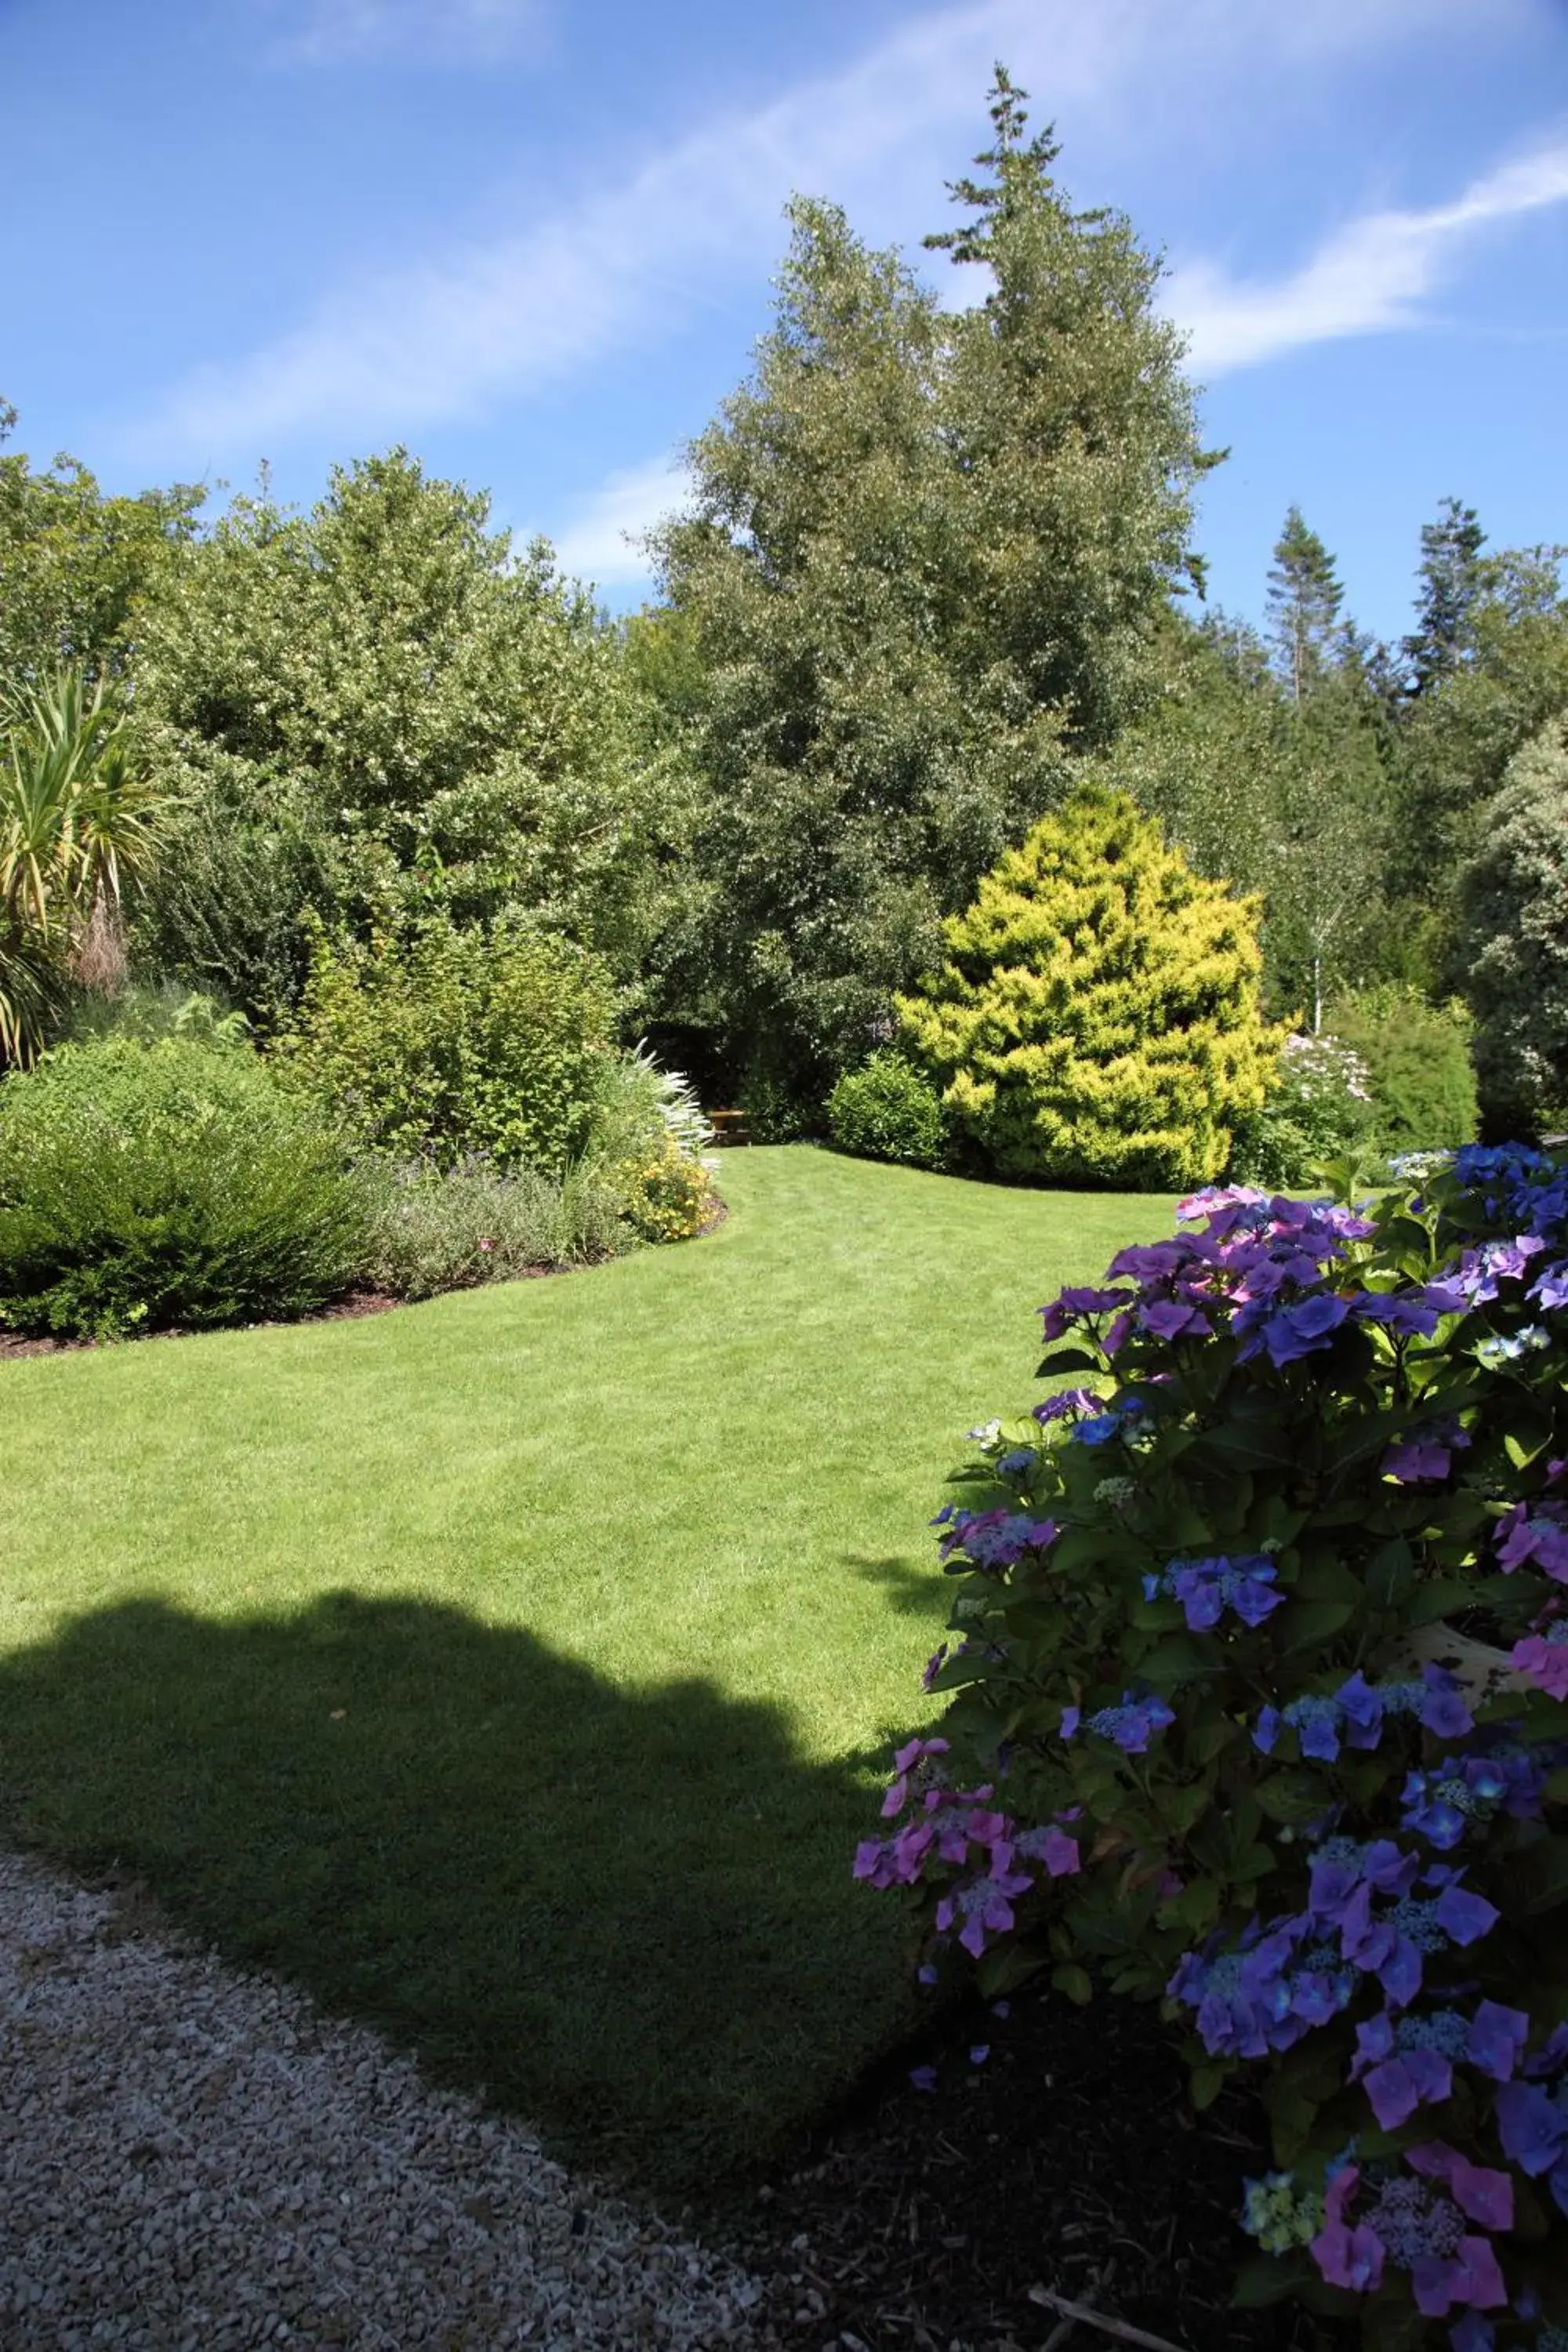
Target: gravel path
193 2160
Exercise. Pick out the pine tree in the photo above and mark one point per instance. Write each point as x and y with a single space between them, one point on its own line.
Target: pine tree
1451 582
1075 435
1097 1018
1304 601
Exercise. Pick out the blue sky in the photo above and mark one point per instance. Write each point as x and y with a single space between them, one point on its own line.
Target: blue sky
533 238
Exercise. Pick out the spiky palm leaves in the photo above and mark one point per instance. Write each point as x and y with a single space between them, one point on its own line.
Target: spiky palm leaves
80 818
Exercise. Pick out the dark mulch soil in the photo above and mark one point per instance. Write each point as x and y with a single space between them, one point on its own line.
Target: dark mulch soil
357 1302
1068 2159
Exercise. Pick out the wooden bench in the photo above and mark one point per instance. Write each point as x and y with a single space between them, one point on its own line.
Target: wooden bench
729 1127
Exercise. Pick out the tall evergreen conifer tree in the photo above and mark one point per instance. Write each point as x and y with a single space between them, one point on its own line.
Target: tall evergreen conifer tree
927 559
1451 584
1304 601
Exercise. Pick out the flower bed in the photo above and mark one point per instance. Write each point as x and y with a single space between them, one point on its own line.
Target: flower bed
1215 1733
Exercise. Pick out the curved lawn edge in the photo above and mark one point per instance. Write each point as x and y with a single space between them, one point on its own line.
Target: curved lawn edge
519 1674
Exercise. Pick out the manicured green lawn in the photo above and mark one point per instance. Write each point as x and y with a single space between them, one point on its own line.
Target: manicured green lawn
518 1670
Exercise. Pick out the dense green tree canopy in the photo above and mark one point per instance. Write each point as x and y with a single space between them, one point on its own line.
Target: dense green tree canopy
378 705
1507 677
1514 899
75 565
927 561
1286 799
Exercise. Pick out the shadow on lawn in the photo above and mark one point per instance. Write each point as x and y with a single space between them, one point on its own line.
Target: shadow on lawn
626 1912
913 1591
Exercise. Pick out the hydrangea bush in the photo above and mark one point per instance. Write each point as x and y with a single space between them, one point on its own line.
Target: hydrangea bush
1254 1704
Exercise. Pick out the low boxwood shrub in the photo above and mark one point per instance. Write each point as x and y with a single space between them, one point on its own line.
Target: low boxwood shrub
447 1042
1255 1706
1319 1110
888 1110
143 1186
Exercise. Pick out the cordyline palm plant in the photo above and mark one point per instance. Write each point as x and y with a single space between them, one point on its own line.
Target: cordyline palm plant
80 818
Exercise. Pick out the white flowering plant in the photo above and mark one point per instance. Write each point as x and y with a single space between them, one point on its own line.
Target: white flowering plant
1319 1110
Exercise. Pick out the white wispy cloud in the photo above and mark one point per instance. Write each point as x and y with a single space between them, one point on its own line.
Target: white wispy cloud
601 541
521 309
506 315
1368 277
336 32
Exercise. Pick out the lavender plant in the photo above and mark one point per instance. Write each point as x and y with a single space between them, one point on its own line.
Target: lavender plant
1255 1706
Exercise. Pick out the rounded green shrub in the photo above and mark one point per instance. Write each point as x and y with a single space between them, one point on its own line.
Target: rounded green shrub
145 1186
888 1110
1417 1060
1098 1021
449 1041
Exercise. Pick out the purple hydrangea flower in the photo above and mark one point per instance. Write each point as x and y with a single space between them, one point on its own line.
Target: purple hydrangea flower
1532 2120
1482 1270
1543 1658
1207 1587
1550 1288
1176 1318
1482 2195
1316 1723
1340 1868
995 1538
1390 1944
1053 1847
1468 1789
1302 1330
1065 1401
1543 1540
1495 2043
1350 2255
1403 2064
1151 1261
985 1906
1408 1315
1213 1200
1075 1305
1132 1724
1265 1992
912 1763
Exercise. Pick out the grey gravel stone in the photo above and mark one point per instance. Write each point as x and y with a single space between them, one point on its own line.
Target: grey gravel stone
190 2157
